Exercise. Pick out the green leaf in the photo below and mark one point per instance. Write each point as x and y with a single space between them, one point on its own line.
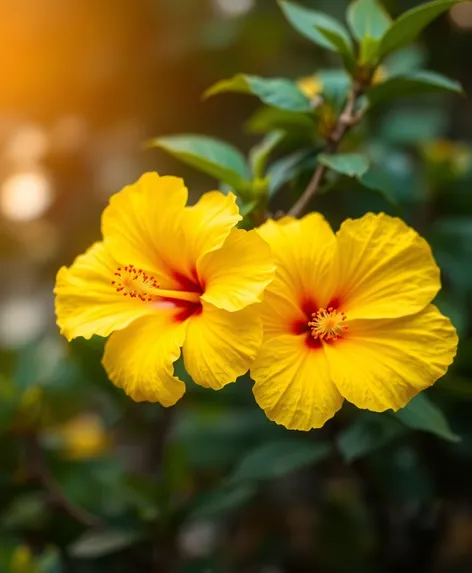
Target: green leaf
306 22
339 44
413 126
377 179
368 433
410 24
422 414
276 92
336 85
368 19
405 60
415 83
212 156
259 154
26 511
350 164
286 169
279 458
223 501
270 118
95 544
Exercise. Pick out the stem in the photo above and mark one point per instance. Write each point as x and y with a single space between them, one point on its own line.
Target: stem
57 498
346 120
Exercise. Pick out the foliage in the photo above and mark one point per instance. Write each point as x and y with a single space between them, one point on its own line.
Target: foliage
212 485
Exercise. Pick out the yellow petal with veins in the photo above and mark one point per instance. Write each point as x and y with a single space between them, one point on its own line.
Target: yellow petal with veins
382 364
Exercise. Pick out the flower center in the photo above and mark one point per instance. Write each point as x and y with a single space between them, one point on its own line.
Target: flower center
136 283
328 324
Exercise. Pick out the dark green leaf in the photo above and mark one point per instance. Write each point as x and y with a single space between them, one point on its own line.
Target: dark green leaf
407 59
268 119
212 156
285 169
339 43
276 92
454 307
413 126
410 24
336 85
377 179
367 434
27 511
223 501
368 19
350 164
50 562
421 414
415 83
279 458
95 544
306 21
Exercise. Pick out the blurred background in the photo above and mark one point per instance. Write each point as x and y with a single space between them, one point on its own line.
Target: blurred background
92 482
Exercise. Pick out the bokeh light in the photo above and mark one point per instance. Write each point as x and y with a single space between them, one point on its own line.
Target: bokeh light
461 15
26 196
233 8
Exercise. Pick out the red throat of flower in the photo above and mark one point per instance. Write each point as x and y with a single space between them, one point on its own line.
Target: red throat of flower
328 324
138 284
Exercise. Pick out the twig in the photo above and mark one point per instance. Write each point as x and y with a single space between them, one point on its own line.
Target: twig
346 120
57 498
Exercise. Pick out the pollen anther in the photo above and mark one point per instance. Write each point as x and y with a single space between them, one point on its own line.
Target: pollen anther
135 283
327 324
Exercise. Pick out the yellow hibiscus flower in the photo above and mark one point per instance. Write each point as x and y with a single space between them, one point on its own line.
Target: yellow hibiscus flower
167 277
348 316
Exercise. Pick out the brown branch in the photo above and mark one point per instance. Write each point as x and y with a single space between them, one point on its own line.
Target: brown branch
346 120
57 498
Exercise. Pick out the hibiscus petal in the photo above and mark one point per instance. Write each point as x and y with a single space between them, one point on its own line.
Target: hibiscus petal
236 275
208 223
386 270
382 364
86 301
293 385
304 280
140 359
142 224
221 345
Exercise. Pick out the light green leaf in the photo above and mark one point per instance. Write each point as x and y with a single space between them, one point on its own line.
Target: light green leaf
422 414
260 153
276 92
368 433
93 544
212 156
223 501
415 83
368 51
306 21
279 458
368 19
350 164
410 24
